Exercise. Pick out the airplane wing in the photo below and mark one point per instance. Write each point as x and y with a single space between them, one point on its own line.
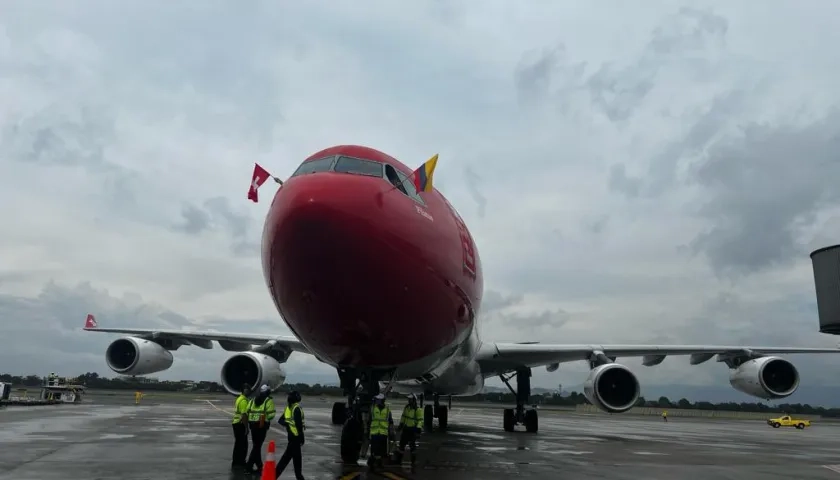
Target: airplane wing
204 339
500 358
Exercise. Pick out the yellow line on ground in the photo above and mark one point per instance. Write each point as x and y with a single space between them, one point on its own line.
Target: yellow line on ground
392 476
350 476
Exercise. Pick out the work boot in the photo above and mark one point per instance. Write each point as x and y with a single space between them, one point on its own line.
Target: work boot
413 461
398 457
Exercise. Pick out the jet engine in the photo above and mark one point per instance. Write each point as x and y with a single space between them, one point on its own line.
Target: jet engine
252 369
765 377
612 387
137 356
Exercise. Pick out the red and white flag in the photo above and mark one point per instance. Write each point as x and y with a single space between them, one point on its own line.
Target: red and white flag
257 179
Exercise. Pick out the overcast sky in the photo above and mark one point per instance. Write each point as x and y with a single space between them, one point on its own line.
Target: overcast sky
632 172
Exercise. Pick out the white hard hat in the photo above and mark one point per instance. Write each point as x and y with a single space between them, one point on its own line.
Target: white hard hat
264 389
379 397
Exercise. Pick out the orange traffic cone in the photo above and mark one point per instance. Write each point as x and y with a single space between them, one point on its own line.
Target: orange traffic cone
269 468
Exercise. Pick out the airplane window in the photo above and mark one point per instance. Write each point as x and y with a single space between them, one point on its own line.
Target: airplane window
358 166
314 166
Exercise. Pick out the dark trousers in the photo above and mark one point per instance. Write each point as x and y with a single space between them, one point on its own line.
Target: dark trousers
240 444
408 437
257 439
378 447
292 453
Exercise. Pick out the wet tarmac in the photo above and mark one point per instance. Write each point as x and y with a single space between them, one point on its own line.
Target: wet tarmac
111 438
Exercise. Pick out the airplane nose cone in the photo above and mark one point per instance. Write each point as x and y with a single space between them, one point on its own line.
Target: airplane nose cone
323 248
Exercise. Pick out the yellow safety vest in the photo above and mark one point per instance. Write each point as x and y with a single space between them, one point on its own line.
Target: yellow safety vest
379 420
412 417
240 407
266 410
289 415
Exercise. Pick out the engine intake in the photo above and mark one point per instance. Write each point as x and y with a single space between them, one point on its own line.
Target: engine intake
137 356
612 387
252 369
766 377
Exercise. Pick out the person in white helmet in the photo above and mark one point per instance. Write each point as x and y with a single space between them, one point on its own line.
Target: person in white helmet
380 427
411 423
261 411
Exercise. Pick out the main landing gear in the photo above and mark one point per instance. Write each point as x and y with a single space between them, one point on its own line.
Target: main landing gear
354 414
520 415
436 410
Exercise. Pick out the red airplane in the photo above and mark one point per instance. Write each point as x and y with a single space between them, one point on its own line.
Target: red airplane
384 283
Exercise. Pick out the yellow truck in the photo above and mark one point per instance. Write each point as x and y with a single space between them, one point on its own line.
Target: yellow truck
787 421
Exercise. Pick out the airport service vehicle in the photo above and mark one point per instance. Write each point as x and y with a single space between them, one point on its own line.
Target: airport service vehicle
787 421
384 283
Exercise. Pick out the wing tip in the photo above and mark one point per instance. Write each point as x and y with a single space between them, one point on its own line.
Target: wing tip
90 322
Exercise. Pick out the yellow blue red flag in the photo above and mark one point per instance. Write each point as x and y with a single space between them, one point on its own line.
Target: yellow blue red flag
423 175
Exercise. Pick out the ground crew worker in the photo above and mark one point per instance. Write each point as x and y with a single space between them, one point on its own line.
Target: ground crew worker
410 426
665 416
240 428
380 424
137 396
295 425
260 413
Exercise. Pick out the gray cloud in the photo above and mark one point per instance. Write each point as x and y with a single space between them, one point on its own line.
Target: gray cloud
764 185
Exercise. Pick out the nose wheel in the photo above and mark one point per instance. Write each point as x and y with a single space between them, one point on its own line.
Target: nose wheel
520 415
436 410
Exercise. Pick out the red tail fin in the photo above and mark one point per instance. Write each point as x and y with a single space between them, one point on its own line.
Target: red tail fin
91 321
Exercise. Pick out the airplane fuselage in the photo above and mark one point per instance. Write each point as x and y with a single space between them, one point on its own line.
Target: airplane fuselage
372 276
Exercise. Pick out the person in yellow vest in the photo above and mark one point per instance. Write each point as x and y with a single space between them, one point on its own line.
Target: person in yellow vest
137 396
411 423
380 426
240 428
260 413
295 425
665 416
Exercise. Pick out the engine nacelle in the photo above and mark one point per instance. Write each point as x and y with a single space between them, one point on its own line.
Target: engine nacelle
612 387
137 356
252 369
765 377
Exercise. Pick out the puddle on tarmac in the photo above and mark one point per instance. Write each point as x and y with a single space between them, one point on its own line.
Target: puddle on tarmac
479 435
115 436
192 436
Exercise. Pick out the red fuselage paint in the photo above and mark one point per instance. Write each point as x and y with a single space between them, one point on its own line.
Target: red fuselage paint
364 275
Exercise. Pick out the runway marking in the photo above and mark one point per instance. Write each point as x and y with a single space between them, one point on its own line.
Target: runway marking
350 476
833 468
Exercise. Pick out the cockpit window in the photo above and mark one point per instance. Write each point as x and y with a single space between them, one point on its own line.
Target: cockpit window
313 166
403 183
358 166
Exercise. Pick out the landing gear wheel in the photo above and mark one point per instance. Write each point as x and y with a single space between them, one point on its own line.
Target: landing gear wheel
428 418
508 422
531 421
443 417
351 441
339 413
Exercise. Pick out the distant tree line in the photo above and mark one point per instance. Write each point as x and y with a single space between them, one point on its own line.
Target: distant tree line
92 380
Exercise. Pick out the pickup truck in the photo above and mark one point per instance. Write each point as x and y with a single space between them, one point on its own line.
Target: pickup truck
787 421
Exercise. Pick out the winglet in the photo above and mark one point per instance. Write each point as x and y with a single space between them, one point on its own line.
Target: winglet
90 322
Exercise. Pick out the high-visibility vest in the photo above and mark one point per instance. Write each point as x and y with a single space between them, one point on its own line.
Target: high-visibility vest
412 417
379 420
262 413
289 416
240 407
